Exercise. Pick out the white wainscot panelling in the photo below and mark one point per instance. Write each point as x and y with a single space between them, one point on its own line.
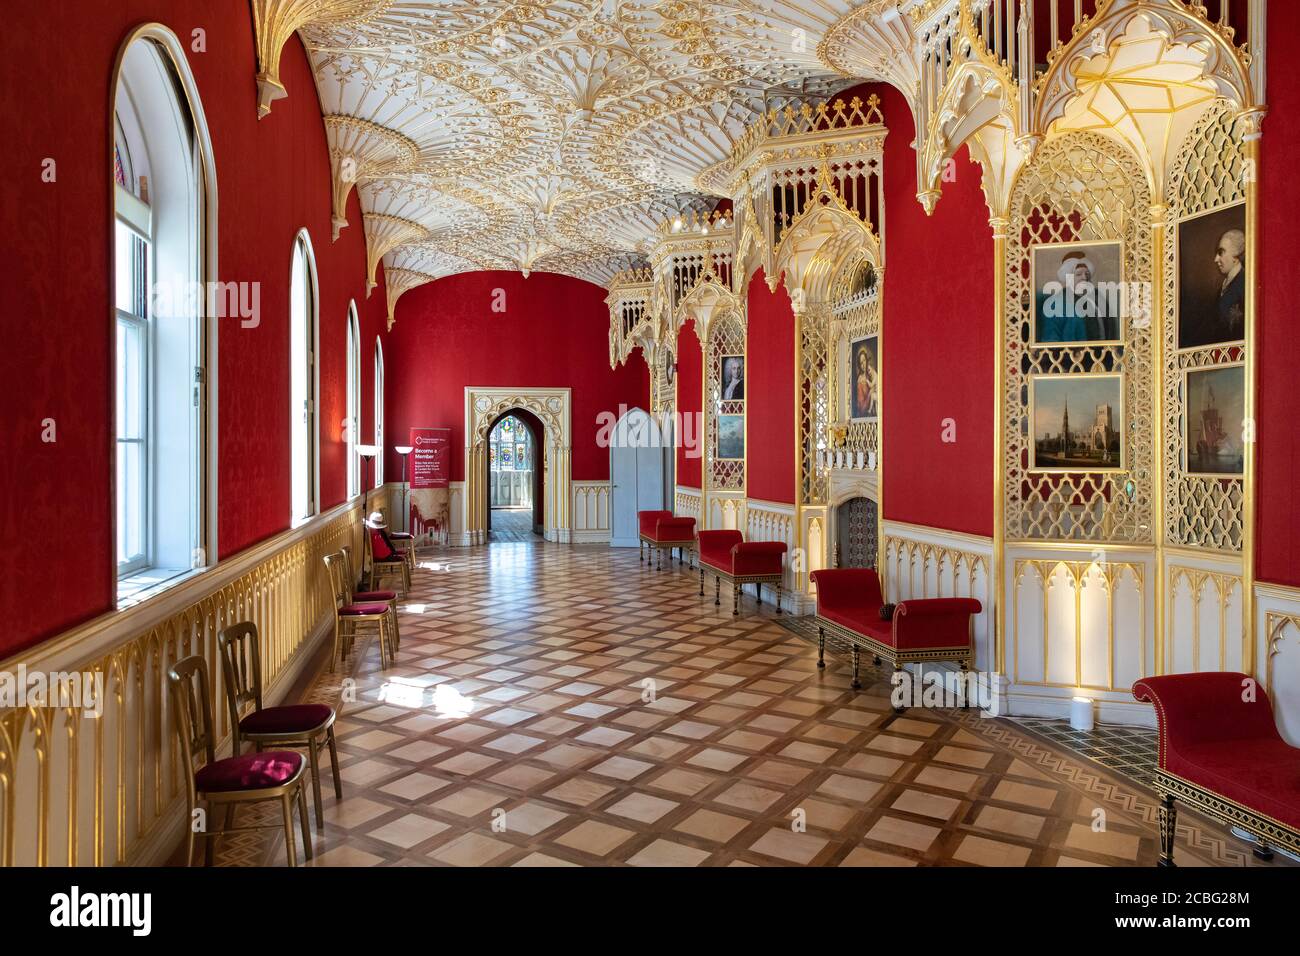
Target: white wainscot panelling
726 510
774 521
1278 654
920 562
1204 614
590 511
686 502
1079 626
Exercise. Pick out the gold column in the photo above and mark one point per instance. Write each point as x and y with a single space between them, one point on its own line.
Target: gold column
706 427
1159 225
799 580
1248 655
997 576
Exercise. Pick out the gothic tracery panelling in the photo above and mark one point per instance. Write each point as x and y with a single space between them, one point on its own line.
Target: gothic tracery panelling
1080 187
726 468
1209 174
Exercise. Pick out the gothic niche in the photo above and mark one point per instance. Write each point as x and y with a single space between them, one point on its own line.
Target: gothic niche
856 540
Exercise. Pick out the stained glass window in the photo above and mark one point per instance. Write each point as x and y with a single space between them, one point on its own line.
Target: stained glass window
510 446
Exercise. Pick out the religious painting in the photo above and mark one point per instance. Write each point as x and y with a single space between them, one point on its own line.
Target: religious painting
864 378
733 378
731 437
1212 293
1079 293
1077 422
670 367
1214 421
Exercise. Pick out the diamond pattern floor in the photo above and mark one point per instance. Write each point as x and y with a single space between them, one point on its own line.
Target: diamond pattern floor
555 706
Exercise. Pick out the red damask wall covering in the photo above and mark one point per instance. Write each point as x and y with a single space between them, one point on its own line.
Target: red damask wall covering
937 341
770 394
1278 453
553 333
690 402
273 178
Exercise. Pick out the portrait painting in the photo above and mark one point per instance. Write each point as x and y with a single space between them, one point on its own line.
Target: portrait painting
670 367
1077 422
1214 421
864 378
1212 293
1079 293
732 385
731 437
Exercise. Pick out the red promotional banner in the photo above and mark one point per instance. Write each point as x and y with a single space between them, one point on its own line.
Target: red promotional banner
431 457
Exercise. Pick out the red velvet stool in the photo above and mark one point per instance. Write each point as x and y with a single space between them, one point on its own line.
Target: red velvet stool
739 562
660 529
1221 753
933 629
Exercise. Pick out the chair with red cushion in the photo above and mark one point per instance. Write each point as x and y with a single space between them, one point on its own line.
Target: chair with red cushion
384 562
661 529
247 778
1221 753
405 542
350 617
369 597
932 629
739 562
308 726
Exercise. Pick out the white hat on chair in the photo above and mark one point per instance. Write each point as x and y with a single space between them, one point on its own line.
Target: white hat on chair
376 520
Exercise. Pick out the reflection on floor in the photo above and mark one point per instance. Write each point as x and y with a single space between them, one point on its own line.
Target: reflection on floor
557 705
513 524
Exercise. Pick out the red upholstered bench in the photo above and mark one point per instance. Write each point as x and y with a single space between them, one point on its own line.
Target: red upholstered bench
934 629
731 558
1221 753
660 529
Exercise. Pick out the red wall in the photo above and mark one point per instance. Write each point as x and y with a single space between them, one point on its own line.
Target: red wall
937 341
769 395
554 333
1278 453
56 71
690 401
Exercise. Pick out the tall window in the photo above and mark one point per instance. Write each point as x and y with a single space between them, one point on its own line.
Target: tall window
161 177
379 413
352 426
302 376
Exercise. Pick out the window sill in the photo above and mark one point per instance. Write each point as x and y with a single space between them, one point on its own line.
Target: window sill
142 585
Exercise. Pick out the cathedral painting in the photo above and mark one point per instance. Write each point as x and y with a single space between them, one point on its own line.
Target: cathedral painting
1077 422
1215 419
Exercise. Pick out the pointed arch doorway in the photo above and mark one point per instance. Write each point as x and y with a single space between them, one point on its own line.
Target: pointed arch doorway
552 423
515 479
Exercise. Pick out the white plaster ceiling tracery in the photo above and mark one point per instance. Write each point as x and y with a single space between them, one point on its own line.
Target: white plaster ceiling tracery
550 136
558 135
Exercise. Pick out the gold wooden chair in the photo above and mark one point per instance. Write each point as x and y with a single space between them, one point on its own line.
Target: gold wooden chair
306 726
350 617
384 570
405 542
367 597
250 778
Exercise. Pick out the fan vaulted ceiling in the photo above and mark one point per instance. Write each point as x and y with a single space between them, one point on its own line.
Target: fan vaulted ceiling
555 136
